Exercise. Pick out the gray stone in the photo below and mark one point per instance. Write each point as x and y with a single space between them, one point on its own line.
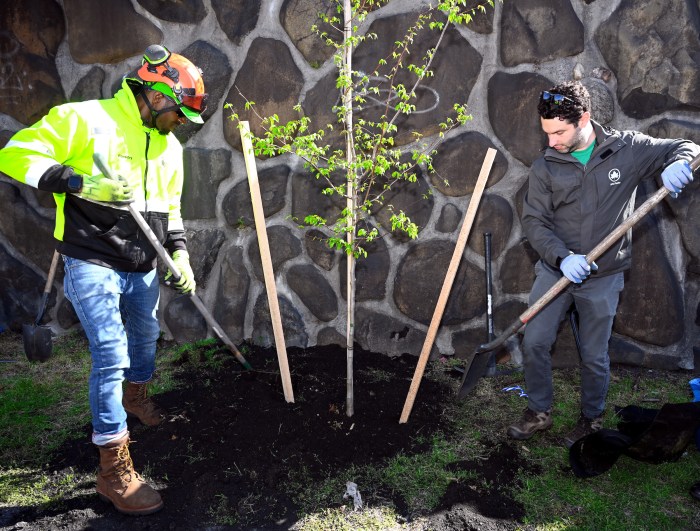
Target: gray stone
688 202
537 31
316 244
652 47
308 198
203 246
270 78
378 332
458 164
28 232
22 290
450 219
649 286
230 303
298 16
520 199
330 336
284 245
237 205
496 217
668 128
295 334
412 198
314 291
421 275
370 272
318 106
512 106
184 320
29 43
505 314
517 272
204 171
216 72
180 11
435 95
481 21
237 18
465 343
90 86
622 351
96 30
602 100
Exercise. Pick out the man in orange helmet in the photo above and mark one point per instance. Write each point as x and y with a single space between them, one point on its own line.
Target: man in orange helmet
110 266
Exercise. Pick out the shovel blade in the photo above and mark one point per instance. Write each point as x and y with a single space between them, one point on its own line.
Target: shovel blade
37 342
473 373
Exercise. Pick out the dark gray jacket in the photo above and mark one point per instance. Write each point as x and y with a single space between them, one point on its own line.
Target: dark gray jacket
572 207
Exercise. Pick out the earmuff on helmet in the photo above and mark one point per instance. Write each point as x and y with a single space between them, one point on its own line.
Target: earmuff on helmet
176 77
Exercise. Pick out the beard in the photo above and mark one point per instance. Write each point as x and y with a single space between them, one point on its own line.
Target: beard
577 142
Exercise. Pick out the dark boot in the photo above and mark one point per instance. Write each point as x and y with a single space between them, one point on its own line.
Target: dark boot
120 484
695 490
584 426
136 402
530 423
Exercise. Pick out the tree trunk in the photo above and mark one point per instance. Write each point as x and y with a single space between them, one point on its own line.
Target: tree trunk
351 202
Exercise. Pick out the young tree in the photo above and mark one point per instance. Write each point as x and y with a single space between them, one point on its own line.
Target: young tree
371 159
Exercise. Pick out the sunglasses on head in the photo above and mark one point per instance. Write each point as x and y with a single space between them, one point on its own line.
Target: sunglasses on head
556 99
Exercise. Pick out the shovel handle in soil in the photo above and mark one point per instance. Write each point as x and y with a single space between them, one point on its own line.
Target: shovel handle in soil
474 370
163 254
47 288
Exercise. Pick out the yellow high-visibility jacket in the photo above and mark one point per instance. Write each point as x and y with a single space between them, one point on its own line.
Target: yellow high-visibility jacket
47 153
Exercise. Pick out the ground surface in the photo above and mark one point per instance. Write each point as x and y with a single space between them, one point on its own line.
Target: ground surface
231 445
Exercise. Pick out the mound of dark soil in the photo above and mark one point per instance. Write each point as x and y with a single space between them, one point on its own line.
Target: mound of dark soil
233 454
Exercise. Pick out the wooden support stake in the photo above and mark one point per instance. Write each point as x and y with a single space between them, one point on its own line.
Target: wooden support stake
266 260
447 284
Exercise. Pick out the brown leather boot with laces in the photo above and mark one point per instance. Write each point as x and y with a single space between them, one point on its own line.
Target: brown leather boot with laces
584 426
120 484
530 423
136 402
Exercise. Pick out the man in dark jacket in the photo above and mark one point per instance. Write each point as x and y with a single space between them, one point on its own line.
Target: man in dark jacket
579 191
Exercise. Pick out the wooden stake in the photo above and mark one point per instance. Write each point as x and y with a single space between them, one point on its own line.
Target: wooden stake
266 260
447 284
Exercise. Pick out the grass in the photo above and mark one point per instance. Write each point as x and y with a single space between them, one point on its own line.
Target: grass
43 405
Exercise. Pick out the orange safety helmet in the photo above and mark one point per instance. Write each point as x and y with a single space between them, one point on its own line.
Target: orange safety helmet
176 77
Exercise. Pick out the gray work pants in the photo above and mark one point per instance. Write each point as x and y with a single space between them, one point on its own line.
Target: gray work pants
596 301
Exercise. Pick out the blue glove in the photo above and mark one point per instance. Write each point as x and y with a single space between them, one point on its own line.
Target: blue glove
676 176
576 269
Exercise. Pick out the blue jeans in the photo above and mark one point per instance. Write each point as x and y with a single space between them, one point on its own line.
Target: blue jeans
118 313
596 301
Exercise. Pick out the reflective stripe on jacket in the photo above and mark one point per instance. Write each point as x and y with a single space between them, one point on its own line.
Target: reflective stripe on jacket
66 139
572 207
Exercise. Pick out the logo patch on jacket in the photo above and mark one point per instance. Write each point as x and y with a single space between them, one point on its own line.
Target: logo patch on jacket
614 176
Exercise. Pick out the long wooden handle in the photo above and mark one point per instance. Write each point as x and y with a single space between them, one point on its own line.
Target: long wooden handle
266 259
447 284
596 252
163 254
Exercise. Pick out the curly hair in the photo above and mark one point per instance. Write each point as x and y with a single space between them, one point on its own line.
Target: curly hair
576 102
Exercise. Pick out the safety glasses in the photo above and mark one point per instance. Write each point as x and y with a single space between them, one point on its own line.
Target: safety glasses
556 99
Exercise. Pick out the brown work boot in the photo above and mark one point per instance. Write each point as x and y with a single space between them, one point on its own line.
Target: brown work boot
584 426
136 402
530 423
120 484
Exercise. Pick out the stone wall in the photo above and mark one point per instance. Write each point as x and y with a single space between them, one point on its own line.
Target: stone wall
638 59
